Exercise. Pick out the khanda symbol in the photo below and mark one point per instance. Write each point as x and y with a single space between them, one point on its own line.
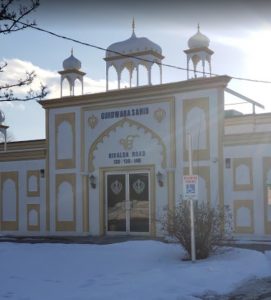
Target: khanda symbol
128 142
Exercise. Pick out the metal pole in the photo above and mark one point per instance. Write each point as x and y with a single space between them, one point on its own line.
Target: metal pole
193 247
5 143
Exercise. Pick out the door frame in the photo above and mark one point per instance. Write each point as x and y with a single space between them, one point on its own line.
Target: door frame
127 203
102 199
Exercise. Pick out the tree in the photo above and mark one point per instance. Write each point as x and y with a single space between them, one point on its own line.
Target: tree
14 17
212 226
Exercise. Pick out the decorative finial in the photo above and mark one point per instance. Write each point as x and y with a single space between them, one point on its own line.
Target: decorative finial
198 27
72 51
133 25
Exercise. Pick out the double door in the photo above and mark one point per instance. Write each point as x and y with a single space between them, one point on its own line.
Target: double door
127 202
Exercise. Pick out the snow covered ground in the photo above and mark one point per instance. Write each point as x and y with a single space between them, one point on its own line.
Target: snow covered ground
129 270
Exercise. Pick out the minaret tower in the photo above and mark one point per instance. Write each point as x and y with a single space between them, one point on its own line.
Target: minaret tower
199 52
71 72
3 129
130 54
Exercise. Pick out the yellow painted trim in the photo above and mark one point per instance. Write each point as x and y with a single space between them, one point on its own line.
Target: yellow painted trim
102 174
252 119
65 163
22 155
220 164
135 53
65 225
266 168
85 212
35 173
124 96
35 207
102 200
47 173
9 225
252 138
169 100
173 133
243 203
24 145
188 105
82 139
171 190
247 161
120 123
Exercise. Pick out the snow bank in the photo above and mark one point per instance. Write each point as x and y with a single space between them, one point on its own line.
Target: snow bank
130 270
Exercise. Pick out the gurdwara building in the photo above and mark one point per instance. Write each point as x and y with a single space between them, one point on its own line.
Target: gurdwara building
113 161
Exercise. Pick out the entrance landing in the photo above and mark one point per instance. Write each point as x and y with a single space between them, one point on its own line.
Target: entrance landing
101 240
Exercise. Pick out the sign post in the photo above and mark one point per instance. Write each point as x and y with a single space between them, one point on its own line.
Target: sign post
190 189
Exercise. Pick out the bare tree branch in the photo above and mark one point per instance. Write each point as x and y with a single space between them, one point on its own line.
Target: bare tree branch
12 13
29 77
8 95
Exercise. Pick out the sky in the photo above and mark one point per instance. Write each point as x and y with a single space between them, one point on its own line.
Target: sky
239 33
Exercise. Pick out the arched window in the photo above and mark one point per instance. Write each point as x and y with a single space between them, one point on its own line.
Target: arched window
33 218
9 201
33 183
65 202
65 87
65 141
243 217
242 175
196 126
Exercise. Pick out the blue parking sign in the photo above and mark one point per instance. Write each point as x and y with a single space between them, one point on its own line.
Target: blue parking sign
190 186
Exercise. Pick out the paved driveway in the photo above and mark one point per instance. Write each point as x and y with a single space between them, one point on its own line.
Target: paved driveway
255 289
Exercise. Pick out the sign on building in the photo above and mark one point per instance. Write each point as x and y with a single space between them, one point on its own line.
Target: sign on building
190 187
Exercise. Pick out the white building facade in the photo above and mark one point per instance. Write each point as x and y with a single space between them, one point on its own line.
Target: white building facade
113 161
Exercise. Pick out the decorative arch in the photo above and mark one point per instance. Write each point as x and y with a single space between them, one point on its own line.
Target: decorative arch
64 140
106 133
9 200
196 124
129 65
33 217
243 217
242 174
33 183
65 203
65 199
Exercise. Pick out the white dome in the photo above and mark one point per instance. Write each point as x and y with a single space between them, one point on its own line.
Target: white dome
133 45
2 117
198 40
71 63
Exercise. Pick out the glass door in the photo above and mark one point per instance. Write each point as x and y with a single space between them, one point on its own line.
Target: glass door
116 204
128 202
139 202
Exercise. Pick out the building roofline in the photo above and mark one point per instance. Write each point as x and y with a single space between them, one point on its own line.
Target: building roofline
138 92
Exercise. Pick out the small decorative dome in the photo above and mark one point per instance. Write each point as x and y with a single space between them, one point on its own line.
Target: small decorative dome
132 45
71 63
198 40
2 117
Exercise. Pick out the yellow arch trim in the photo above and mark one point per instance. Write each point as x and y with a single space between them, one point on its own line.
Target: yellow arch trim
104 134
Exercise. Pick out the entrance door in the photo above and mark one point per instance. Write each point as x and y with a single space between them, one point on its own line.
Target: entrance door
127 202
